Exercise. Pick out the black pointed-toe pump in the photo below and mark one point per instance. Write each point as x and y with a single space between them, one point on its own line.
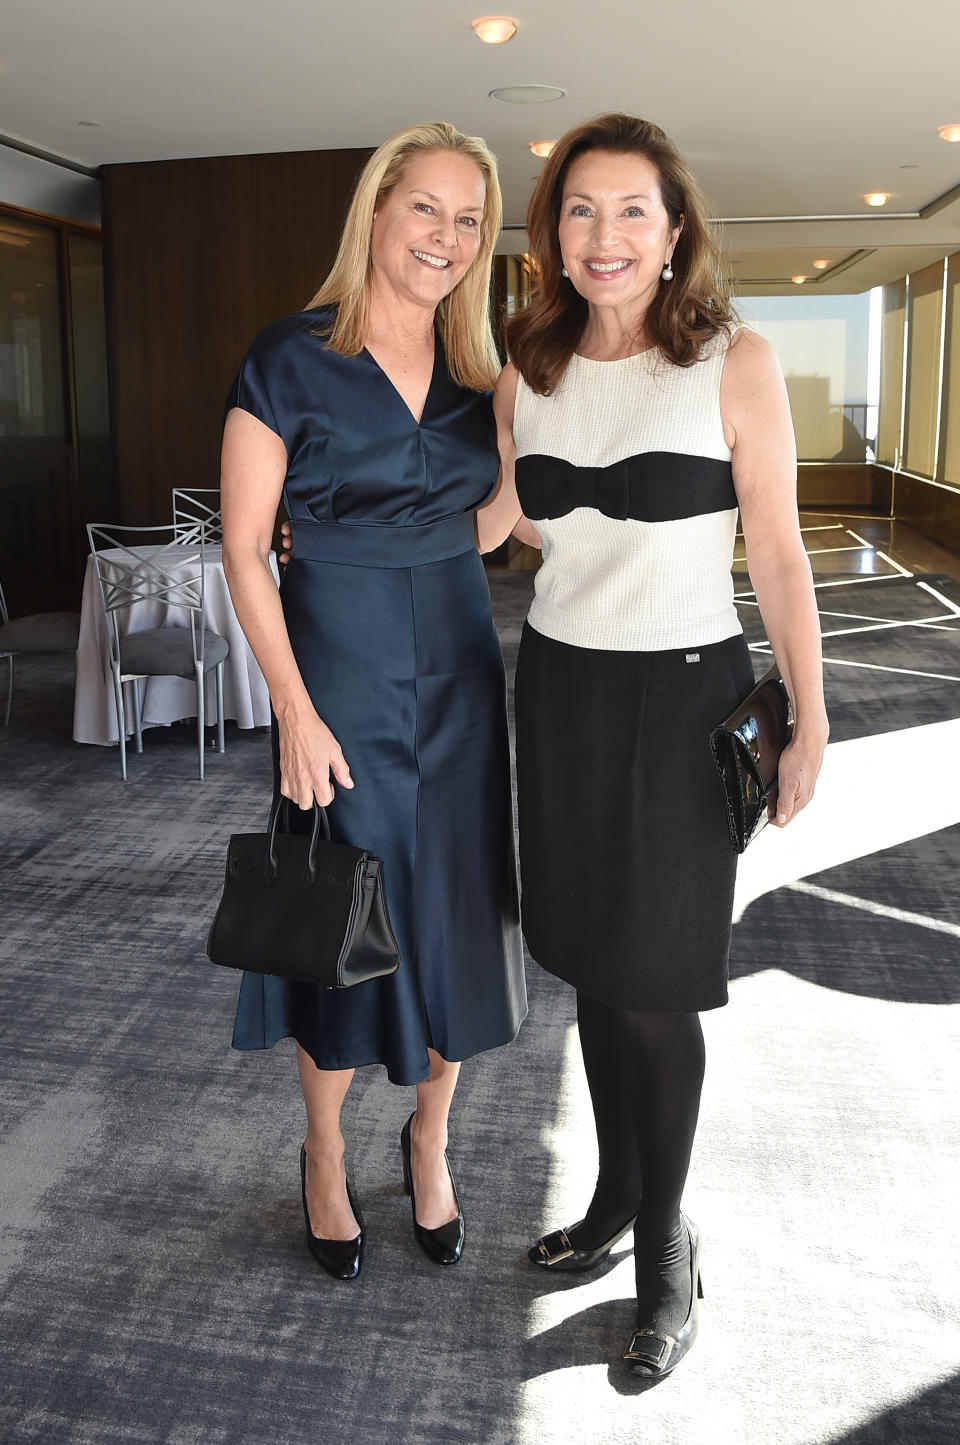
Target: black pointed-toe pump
443 1245
341 1258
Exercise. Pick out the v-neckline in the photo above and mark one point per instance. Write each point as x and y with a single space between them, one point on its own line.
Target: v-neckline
417 420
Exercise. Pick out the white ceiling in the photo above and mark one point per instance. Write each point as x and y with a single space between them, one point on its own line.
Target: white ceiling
782 110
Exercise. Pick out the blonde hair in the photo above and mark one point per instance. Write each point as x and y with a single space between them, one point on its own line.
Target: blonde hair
463 317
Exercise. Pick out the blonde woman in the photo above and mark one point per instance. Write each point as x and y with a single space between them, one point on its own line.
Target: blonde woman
370 412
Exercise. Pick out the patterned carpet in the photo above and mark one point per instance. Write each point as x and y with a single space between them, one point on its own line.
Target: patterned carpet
154 1286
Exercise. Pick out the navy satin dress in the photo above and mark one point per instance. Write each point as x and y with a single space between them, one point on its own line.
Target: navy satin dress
388 611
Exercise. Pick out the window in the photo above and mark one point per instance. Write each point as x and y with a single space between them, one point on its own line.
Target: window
822 343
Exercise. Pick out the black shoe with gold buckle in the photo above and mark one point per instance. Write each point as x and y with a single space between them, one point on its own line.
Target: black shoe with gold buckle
558 1251
652 1354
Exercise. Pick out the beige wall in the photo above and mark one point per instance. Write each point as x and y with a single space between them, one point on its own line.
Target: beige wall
950 420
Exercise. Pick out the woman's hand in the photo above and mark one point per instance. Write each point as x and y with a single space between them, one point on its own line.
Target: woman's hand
286 542
796 779
309 753
527 533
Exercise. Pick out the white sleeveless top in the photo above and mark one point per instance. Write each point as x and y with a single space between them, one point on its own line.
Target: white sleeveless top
625 474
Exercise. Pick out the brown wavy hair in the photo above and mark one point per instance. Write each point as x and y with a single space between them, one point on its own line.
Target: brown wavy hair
683 314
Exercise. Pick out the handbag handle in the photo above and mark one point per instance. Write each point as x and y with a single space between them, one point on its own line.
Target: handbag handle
320 822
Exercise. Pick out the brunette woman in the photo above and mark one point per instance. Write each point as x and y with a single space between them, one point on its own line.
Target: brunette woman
635 420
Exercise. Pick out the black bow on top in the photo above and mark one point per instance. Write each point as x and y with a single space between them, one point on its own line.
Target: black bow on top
650 487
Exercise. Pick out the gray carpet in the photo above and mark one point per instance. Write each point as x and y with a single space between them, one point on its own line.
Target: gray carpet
154 1286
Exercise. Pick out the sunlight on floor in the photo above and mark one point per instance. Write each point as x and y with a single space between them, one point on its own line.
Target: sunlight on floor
779 1147
879 910
822 1125
559 1405
873 793
573 1171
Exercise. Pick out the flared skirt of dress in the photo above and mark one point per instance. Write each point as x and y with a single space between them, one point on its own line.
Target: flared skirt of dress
404 666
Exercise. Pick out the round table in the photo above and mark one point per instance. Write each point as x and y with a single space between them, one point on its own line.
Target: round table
165 699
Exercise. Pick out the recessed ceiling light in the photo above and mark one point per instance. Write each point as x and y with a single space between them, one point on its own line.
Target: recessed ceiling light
527 94
820 265
949 132
877 198
494 29
798 280
541 148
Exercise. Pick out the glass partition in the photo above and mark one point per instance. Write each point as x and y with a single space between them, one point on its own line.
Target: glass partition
55 470
31 353
822 343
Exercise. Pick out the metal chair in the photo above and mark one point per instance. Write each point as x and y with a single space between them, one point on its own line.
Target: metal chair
196 511
168 575
40 632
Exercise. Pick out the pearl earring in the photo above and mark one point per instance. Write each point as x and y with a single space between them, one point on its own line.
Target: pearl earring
667 272
564 271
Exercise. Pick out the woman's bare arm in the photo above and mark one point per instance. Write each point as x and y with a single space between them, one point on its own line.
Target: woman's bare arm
502 515
758 426
253 467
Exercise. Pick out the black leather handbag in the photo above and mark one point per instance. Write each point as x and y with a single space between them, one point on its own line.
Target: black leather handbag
303 908
746 748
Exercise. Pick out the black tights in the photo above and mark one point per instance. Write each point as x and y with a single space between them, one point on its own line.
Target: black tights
645 1072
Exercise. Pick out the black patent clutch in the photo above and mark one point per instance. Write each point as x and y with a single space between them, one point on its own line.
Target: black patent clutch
303 908
746 748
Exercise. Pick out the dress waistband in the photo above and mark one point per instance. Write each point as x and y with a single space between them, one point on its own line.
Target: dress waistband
361 544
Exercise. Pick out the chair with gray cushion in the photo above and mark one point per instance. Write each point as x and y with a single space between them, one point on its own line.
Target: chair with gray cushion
196 513
41 632
155 578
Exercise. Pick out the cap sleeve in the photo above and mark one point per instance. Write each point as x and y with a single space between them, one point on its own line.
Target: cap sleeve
250 390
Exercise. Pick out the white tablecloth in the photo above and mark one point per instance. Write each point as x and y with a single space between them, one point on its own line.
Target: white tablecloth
165 699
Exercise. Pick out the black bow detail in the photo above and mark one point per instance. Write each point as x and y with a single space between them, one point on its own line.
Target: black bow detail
649 487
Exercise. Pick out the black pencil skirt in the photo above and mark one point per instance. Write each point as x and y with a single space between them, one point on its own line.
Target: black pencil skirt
626 865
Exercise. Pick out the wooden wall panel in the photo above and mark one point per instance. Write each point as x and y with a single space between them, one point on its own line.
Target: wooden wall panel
934 511
842 484
299 201
200 255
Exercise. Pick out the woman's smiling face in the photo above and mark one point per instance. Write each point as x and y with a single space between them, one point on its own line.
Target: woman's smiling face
615 231
426 232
